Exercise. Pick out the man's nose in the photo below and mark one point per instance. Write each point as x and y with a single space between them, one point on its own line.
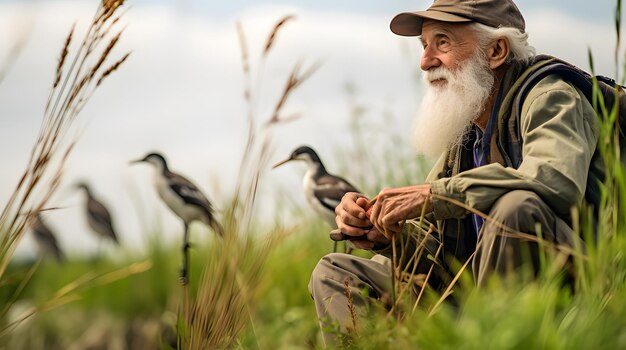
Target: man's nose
429 60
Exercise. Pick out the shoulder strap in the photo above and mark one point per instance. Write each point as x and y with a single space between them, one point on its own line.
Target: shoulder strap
568 72
538 70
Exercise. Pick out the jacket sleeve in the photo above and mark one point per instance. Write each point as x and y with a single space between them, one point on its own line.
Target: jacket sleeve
559 129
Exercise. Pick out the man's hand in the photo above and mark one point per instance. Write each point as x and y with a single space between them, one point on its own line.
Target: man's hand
371 239
352 220
396 205
350 214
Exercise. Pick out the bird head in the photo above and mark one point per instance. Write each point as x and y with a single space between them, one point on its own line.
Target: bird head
304 153
155 159
82 186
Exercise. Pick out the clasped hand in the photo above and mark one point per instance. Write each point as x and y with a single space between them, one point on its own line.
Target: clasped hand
379 219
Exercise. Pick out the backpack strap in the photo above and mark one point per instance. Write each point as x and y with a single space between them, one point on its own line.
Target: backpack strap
585 82
568 72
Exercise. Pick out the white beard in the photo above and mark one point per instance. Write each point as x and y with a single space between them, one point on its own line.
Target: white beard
447 111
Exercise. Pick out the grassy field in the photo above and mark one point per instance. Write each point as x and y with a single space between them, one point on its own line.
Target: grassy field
147 303
140 311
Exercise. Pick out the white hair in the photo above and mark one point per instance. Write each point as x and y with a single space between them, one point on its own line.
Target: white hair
519 50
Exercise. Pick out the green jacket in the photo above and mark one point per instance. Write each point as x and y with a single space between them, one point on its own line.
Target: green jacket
558 133
556 136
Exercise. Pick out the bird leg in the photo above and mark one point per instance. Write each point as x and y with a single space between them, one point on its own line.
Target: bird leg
99 253
184 275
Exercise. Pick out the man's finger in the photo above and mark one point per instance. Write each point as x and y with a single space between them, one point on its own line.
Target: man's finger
376 236
348 219
363 244
337 235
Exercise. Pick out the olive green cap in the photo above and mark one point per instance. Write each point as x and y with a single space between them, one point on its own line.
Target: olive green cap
492 13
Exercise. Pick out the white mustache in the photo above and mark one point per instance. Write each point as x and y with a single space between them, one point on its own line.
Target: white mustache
437 73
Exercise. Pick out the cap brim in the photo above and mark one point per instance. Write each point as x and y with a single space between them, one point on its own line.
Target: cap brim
410 23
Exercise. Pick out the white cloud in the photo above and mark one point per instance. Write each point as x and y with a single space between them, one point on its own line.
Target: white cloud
569 38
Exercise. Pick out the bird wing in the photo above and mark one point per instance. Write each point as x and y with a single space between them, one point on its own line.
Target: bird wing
330 189
188 192
43 234
46 239
101 216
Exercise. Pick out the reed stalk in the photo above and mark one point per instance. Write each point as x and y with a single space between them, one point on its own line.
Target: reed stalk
228 290
73 83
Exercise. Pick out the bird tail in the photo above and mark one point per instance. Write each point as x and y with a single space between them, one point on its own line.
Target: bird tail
114 238
217 227
210 220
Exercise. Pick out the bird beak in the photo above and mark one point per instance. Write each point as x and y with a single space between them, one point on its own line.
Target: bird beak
281 163
135 161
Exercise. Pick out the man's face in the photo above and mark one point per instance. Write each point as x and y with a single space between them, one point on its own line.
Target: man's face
459 82
446 45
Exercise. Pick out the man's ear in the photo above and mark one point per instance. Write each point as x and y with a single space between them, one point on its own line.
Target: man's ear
497 53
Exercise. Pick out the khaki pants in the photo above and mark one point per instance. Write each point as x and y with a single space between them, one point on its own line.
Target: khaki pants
338 277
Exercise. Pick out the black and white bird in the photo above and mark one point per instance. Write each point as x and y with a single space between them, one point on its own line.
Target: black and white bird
98 216
46 240
322 190
184 199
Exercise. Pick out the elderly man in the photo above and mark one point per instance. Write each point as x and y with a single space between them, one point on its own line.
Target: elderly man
523 170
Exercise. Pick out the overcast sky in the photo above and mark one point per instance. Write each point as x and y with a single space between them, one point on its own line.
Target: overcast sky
180 92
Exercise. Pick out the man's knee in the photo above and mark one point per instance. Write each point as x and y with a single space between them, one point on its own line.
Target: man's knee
324 268
329 266
499 248
518 210
335 270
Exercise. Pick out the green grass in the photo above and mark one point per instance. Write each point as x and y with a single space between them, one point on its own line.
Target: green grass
508 315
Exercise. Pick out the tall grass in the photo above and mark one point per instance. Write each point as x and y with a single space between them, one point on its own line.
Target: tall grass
228 290
76 78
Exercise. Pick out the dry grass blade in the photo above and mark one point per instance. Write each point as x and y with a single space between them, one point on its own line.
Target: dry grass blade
229 286
20 288
294 80
111 5
448 290
108 8
351 308
112 69
228 291
62 57
509 232
272 37
44 170
408 278
423 288
105 53
245 62
79 80
17 215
